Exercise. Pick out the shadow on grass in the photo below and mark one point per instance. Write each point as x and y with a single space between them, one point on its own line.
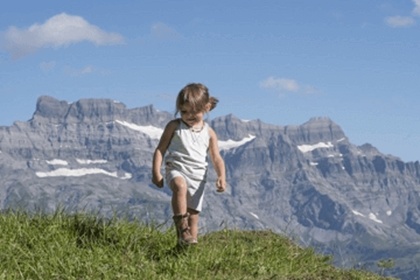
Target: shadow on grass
180 250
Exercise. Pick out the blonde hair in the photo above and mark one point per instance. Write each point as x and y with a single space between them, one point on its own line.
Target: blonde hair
197 96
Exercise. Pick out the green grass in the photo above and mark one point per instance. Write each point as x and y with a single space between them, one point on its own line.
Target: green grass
62 246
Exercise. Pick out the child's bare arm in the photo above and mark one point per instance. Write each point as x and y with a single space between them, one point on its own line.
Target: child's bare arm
218 162
160 151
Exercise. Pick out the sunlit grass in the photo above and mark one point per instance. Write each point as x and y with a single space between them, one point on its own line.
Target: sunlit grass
61 246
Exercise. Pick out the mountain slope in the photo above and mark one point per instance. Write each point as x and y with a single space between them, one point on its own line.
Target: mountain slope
118 249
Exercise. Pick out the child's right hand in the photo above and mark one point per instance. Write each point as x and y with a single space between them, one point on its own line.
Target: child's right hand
158 180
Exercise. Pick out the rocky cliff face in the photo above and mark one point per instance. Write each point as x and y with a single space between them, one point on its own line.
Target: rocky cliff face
306 181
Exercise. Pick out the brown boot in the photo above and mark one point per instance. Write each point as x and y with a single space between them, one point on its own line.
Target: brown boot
183 230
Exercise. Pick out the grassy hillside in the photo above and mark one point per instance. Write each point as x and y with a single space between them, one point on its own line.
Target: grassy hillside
62 246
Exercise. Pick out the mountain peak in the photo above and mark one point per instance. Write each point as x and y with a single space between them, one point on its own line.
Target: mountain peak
104 109
53 109
320 119
315 130
49 107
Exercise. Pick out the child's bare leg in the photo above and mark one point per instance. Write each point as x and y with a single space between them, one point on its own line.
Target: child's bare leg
193 222
179 196
179 207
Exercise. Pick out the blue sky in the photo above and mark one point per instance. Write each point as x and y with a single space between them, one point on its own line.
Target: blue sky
283 62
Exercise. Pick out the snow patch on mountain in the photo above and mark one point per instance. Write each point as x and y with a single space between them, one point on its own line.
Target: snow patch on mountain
230 144
371 216
89 161
310 148
357 213
374 218
66 172
155 133
152 131
254 215
57 162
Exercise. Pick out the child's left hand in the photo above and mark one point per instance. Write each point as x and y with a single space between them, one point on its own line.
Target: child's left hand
220 185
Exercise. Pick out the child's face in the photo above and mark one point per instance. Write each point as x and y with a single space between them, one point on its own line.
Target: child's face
191 117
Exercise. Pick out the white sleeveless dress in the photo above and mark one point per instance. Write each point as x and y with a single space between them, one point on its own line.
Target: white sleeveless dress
187 156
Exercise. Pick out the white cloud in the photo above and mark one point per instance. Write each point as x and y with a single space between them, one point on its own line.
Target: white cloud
416 10
400 21
286 85
405 21
281 84
58 31
162 31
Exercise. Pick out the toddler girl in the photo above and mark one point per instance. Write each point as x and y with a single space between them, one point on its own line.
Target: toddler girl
187 141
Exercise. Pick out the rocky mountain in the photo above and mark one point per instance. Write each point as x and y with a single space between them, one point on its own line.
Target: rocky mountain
307 181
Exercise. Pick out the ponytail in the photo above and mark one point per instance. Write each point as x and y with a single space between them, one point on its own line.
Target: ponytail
213 102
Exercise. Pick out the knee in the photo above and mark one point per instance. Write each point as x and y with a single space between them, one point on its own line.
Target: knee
178 185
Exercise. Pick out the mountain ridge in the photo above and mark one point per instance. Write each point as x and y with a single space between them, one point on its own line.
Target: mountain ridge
305 180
